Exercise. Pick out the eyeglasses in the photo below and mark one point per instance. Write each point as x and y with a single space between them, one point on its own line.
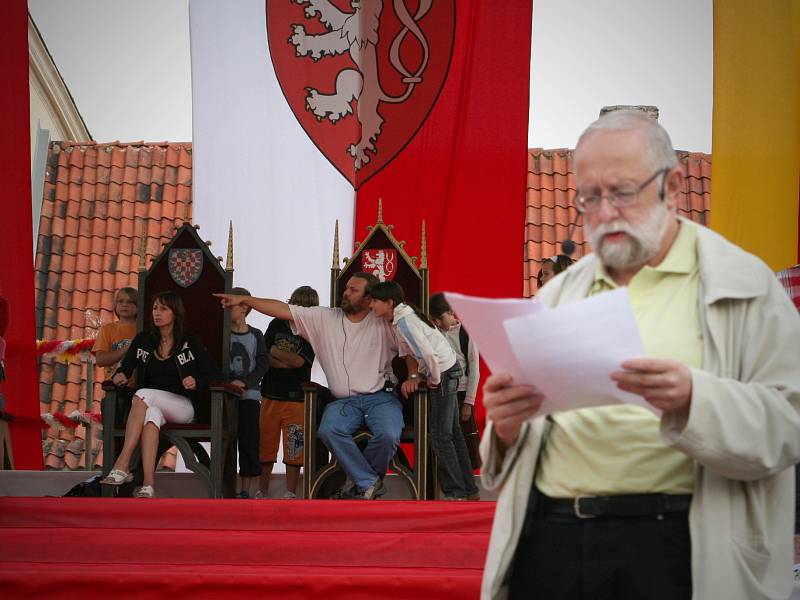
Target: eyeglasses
623 195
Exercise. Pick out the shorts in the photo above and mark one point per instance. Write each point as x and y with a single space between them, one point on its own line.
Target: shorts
282 417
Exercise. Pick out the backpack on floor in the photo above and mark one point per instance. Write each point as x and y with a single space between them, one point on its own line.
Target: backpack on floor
87 489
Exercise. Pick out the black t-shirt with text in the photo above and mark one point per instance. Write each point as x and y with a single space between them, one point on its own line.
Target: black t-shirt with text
284 384
163 374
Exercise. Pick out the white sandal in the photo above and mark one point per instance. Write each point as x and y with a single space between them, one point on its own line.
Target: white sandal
146 491
117 477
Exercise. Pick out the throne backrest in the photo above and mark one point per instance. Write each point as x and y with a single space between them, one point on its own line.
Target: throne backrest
187 267
382 254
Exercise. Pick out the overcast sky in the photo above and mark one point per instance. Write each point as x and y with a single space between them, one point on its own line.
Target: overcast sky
127 65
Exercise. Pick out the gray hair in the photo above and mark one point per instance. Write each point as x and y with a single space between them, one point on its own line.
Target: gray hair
659 150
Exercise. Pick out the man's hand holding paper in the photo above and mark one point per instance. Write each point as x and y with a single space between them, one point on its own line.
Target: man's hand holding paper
664 383
508 406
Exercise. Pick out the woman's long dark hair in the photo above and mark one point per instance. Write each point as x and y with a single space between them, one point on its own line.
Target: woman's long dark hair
389 290
173 302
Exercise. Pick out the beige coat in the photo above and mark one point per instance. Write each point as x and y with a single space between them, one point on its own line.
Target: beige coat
743 432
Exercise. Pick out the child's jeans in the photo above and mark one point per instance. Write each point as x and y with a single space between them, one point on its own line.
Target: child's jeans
454 467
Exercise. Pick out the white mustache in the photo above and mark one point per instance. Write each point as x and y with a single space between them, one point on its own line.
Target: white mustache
613 227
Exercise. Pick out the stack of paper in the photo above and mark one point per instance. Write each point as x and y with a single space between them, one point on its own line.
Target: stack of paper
568 353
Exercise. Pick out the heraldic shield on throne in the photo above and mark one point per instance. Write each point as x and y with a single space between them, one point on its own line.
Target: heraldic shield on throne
385 257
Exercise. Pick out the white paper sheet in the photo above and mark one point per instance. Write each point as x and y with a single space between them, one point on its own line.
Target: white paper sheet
483 318
569 352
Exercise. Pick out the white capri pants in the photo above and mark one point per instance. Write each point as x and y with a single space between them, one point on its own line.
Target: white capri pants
165 407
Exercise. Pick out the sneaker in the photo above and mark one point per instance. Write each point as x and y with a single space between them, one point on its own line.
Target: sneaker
373 492
347 491
146 491
453 498
259 495
289 495
244 494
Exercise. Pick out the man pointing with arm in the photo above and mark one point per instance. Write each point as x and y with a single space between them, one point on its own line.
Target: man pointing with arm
355 350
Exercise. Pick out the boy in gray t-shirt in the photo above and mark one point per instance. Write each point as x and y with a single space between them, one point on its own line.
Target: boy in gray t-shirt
248 365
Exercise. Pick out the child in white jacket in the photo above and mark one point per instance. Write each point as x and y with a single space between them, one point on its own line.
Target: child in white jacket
438 362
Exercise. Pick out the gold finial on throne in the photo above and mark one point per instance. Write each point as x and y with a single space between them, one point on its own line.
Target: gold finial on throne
336 246
229 262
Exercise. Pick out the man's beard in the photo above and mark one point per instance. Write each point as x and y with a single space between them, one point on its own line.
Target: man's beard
643 242
349 308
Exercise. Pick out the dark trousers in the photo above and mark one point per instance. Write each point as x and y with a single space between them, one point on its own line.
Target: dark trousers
566 558
249 433
452 459
472 436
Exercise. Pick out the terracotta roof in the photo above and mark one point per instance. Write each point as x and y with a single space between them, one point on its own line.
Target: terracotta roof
548 204
99 199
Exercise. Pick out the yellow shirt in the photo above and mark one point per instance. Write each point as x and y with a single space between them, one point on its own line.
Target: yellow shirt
617 449
113 336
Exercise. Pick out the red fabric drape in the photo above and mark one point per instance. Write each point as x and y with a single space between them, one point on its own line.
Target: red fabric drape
16 244
465 170
126 548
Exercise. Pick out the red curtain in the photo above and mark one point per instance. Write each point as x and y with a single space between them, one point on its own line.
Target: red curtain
127 548
464 171
16 245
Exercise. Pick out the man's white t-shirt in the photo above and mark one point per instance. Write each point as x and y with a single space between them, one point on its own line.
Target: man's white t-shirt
356 357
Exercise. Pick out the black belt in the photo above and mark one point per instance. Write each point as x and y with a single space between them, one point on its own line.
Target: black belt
635 505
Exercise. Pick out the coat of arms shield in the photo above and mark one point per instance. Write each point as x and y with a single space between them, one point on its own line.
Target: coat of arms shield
361 76
185 265
381 263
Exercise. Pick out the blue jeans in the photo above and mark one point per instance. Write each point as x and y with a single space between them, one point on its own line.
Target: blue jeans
453 463
382 413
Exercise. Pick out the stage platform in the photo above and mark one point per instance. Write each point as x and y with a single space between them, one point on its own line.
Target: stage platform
168 484
134 548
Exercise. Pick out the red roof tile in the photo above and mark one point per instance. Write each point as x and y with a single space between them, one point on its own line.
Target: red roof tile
98 200
549 199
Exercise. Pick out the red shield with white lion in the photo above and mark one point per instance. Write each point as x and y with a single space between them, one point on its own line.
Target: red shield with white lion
382 263
361 76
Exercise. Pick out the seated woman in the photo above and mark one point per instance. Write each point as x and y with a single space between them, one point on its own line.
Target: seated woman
171 367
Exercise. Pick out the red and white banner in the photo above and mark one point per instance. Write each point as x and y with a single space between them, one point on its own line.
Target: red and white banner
308 111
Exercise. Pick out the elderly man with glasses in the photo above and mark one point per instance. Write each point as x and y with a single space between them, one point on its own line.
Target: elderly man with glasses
612 501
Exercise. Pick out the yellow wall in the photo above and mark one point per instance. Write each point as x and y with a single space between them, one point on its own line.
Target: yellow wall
756 128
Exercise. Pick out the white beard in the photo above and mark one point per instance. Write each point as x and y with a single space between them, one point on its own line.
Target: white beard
642 244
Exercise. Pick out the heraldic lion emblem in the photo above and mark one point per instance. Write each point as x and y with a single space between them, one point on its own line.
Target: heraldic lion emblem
358 33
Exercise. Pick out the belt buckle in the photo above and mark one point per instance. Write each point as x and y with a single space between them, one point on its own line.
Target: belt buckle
576 505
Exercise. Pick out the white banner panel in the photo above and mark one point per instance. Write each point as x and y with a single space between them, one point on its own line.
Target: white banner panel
253 163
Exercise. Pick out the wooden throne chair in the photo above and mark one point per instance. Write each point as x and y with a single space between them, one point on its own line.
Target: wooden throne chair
187 267
382 254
